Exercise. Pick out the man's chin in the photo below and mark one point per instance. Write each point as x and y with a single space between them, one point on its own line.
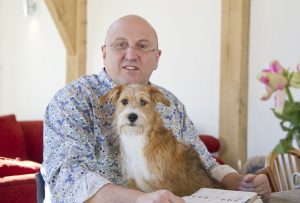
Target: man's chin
126 81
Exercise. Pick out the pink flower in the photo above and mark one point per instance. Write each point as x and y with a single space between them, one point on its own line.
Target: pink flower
295 80
279 101
273 78
275 67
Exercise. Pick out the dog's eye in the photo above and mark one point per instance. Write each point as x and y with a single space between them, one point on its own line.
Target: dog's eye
124 101
143 102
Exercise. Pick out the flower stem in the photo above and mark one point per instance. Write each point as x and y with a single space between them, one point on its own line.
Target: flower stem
289 94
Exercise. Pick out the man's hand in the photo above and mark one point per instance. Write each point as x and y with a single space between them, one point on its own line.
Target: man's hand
250 182
256 183
160 196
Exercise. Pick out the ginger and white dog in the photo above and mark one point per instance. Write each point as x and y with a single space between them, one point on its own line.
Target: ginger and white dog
151 157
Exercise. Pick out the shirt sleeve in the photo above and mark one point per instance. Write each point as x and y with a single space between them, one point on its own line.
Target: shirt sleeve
69 147
190 135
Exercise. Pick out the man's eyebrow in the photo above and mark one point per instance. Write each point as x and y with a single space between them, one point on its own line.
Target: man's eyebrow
124 39
120 39
144 40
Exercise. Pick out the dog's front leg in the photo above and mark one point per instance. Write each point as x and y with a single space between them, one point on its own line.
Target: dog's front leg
132 184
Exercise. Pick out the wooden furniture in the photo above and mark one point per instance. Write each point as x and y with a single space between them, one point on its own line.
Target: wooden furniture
267 172
291 196
280 168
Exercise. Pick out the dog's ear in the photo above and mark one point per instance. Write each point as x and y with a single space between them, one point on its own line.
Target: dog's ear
158 96
111 96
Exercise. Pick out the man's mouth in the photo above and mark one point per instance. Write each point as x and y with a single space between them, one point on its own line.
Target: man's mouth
130 67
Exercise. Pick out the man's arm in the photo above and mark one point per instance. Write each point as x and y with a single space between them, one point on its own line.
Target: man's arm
113 193
232 181
69 146
116 194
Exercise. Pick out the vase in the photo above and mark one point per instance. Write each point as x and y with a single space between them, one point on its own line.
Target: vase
296 180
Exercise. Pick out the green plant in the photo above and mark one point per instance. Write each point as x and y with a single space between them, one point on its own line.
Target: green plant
279 80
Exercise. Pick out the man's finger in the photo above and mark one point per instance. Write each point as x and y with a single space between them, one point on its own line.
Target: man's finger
249 178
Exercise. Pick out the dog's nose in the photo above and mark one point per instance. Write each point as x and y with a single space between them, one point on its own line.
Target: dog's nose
132 117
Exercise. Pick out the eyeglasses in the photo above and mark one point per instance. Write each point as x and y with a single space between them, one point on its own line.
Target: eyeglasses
122 46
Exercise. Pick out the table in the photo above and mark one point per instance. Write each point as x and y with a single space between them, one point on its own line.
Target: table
291 196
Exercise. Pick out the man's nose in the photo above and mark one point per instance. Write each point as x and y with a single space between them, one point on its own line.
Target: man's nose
131 53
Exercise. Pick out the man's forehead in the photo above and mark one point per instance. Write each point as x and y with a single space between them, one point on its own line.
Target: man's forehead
124 31
131 27
124 39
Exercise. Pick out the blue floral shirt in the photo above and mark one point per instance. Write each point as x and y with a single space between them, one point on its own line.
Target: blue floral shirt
80 148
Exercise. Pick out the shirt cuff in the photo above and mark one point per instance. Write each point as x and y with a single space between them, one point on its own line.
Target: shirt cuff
89 185
220 171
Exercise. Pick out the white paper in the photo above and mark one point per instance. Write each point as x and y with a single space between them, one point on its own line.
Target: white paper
208 195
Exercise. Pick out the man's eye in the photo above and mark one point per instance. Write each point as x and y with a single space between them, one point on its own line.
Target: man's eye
143 102
124 101
142 46
122 45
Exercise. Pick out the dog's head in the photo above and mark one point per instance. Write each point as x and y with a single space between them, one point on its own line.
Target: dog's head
135 107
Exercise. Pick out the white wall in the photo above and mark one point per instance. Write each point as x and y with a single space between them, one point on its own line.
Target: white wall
274 34
32 56
32 60
189 36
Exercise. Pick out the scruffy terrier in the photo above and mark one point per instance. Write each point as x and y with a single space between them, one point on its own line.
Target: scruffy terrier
151 157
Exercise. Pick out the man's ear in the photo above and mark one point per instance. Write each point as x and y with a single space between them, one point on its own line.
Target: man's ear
158 96
103 48
157 58
111 96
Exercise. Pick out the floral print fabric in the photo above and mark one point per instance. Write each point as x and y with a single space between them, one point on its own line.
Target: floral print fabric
81 150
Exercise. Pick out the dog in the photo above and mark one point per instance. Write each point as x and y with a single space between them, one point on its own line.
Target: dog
151 157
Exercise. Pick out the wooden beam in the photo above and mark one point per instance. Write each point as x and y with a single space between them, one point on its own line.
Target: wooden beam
70 17
234 81
63 13
76 65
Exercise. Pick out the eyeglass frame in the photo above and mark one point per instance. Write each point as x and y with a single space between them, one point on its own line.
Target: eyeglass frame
135 47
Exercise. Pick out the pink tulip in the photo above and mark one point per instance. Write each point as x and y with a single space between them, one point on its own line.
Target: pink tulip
279 101
275 67
273 79
295 80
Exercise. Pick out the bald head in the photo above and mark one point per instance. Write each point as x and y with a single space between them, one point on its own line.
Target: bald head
131 64
132 24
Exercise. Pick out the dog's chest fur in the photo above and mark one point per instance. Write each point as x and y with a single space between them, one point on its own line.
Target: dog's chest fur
133 158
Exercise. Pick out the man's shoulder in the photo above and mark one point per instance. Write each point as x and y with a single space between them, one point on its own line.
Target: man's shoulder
164 90
170 95
86 80
84 85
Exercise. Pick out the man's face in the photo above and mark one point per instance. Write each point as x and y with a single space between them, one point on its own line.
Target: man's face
130 53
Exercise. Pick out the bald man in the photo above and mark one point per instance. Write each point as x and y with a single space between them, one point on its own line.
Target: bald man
80 149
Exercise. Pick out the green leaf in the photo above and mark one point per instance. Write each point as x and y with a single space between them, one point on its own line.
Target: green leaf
291 114
284 145
285 128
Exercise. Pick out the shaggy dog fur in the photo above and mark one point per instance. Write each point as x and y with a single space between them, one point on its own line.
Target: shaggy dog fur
151 157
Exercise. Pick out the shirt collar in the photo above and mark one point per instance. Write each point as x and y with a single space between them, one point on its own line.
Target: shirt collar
106 79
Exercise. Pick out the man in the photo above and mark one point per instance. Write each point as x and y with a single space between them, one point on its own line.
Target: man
80 149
